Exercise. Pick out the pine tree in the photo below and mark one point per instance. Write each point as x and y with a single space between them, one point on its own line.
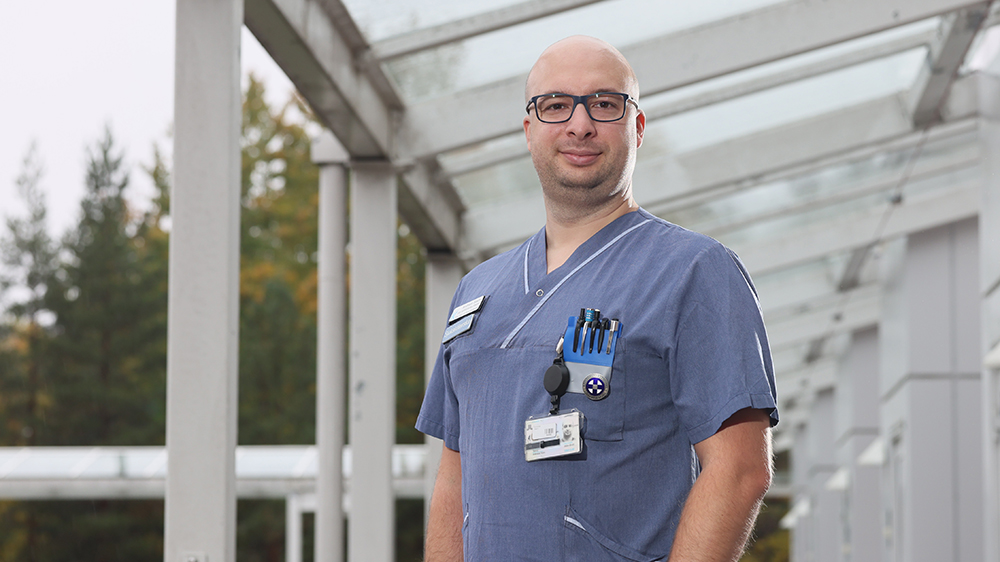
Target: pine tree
28 256
106 375
107 320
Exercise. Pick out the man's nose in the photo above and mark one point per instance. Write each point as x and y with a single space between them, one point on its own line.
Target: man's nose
580 124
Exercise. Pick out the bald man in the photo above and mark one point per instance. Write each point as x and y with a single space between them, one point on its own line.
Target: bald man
604 391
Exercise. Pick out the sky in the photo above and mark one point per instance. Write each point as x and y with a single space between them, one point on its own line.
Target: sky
68 69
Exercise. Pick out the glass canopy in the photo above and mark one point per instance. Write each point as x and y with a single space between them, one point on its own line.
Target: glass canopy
804 137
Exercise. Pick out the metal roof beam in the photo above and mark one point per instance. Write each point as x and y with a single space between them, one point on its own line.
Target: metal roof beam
514 146
957 32
925 168
430 207
660 183
764 35
846 233
316 43
431 37
302 38
666 183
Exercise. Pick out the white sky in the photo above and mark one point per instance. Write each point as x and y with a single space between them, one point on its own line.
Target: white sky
68 68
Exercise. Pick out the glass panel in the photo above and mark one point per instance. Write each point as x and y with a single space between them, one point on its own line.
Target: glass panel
388 18
785 104
511 52
504 181
834 193
712 124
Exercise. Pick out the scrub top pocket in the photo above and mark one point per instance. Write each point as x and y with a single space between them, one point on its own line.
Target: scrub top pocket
604 419
582 542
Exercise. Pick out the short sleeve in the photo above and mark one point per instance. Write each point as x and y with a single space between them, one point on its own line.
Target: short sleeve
720 361
439 415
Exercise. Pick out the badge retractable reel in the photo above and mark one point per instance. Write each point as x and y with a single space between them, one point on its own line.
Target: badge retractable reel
556 434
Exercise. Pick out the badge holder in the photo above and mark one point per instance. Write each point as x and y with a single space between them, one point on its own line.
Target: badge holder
554 435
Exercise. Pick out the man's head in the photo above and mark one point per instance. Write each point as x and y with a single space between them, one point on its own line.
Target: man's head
582 163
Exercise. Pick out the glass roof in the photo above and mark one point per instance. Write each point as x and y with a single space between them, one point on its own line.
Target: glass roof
797 144
786 104
490 57
719 122
837 193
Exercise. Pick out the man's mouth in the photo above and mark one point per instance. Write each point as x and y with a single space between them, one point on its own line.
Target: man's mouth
580 157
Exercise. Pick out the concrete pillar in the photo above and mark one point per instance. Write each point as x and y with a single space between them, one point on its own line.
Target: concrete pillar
444 271
824 502
293 529
991 456
857 426
815 512
798 520
372 361
203 310
930 397
989 288
331 364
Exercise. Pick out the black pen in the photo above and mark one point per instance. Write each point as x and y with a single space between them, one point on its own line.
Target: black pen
576 333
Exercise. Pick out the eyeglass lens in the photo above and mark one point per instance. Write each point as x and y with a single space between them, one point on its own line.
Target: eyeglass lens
601 107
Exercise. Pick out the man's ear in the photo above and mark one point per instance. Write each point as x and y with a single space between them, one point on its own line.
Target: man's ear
527 131
640 127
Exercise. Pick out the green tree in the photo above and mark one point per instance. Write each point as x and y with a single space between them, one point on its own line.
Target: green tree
101 374
28 256
108 317
101 368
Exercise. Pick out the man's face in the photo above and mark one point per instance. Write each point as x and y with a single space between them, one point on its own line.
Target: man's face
582 161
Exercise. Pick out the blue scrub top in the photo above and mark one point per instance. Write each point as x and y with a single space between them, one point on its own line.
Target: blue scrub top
692 351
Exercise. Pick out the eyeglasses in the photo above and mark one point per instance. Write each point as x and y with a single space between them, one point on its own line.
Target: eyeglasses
602 106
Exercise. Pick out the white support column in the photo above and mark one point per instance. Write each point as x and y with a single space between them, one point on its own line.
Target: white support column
930 398
203 310
824 517
331 364
856 428
989 288
372 361
444 271
293 529
798 519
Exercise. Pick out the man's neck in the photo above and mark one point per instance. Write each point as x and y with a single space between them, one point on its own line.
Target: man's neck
564 234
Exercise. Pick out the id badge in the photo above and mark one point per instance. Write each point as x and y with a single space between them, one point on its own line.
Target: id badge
552 436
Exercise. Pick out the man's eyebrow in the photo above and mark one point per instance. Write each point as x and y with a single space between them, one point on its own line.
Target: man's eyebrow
597 91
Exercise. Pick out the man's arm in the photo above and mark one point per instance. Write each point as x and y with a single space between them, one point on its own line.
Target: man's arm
444 522
723 504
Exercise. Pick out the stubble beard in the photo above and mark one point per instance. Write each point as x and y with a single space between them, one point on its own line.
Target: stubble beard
572 198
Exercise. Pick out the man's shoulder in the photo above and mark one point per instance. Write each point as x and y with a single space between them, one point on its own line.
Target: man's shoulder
666 237
499 263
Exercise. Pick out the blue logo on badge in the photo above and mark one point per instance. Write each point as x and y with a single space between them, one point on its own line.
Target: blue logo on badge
595 387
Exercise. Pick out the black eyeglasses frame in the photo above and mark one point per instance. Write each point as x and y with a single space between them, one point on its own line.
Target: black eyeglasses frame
578 100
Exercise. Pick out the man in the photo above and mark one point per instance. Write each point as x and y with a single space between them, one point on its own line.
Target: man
671 455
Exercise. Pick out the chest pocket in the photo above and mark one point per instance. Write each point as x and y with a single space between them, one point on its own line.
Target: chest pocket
604 419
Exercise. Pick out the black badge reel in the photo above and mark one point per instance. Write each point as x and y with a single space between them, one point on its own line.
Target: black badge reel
592 354
554 435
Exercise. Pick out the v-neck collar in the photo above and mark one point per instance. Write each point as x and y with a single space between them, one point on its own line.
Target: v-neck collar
546 285
535 257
